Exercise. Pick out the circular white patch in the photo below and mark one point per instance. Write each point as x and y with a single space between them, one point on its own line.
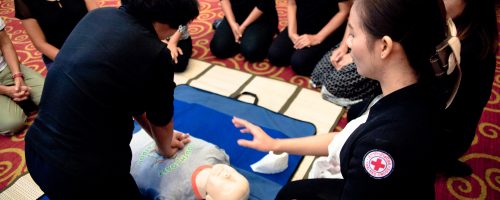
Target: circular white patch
378 164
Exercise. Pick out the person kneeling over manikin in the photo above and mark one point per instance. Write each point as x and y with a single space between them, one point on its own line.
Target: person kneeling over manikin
200 170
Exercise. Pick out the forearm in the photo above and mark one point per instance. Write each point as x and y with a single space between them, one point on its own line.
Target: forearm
343 43
9 53
292 17
174 39
48 50
316 145
228 11
91 4
163 138
3 89
38 38
336 21
162 135
144 123
254 15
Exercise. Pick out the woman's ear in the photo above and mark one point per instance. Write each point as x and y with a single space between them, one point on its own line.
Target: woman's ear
386 47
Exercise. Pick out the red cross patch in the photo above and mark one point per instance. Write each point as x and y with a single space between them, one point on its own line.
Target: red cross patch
379 164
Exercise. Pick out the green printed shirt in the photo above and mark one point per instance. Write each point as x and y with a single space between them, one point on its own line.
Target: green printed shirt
162 178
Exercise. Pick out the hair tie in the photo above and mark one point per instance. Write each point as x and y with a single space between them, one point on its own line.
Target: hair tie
447 58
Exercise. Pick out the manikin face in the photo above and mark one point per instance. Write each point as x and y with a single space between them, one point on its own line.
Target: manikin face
358 42
225 183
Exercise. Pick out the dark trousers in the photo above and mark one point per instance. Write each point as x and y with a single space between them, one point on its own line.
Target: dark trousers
57 184
183 60
254 44
302 61
312 189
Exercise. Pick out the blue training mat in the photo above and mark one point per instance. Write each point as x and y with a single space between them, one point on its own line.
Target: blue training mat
208 116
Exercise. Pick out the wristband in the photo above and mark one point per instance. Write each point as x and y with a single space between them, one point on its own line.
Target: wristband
18 74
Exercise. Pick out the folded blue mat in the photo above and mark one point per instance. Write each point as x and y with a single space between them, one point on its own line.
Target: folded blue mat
208 116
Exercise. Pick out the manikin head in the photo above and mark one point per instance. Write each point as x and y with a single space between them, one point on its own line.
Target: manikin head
218 182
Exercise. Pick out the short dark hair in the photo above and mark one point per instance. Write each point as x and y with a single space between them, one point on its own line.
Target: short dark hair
171 12
418 25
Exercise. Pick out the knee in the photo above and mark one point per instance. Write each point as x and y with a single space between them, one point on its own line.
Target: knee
182 62
12 124
276 57
181 65
301 66
253 53
221 49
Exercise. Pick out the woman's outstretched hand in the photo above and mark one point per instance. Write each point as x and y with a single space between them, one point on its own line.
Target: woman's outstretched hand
261 141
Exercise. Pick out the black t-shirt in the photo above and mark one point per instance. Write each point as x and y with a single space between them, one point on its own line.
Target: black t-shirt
56 18
243 8
111 67
312 16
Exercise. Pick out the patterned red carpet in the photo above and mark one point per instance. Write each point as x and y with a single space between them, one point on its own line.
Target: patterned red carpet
483 156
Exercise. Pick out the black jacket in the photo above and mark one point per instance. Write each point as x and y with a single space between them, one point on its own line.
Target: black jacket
390 156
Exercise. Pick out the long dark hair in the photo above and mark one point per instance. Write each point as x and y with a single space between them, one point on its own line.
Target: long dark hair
403 20
479 16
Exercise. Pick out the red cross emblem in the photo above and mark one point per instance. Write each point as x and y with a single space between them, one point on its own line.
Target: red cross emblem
379 164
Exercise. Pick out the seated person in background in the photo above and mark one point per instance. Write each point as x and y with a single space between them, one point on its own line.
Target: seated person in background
181 48
248 27
188 175
49 23
339 81
17 83
313 28
478 33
